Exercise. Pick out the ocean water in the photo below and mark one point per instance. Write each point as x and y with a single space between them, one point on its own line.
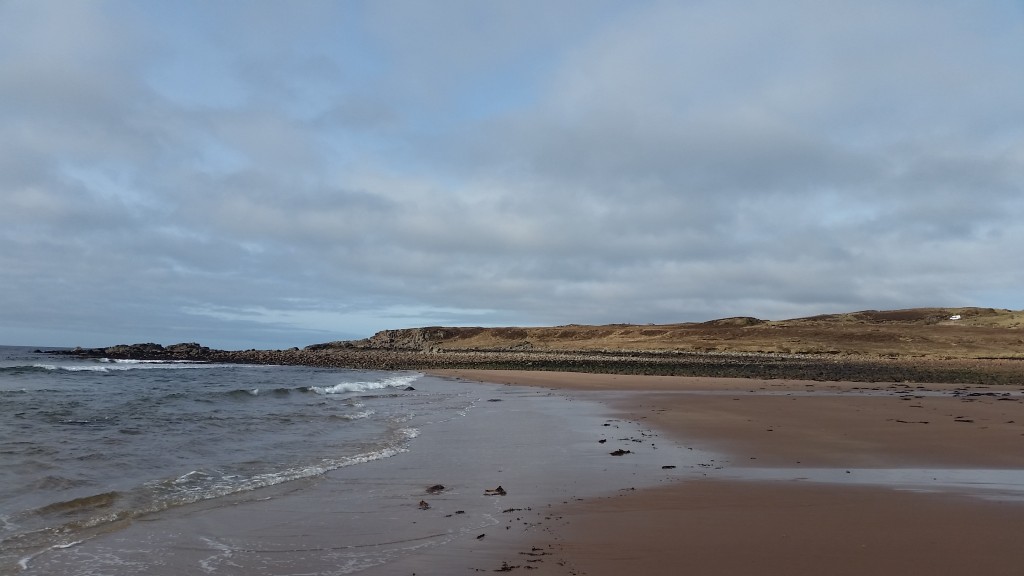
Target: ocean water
87 446
114 467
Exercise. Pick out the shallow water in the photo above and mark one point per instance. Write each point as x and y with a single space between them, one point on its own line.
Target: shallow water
89 445
989 484
362 515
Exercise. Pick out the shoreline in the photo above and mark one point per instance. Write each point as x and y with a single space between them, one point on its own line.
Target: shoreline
433 508
746 521
819 367
716 476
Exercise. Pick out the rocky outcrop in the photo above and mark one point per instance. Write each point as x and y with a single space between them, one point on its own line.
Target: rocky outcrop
421 339
148 351
735 321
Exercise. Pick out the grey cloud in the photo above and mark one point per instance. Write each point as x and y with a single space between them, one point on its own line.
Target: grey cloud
504 163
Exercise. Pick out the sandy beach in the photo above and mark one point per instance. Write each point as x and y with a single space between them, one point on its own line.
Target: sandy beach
604 474
818 478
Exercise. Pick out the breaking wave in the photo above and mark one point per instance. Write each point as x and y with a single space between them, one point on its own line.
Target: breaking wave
396 381
105 365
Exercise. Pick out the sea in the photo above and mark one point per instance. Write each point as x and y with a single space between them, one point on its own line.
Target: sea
126 466
88 443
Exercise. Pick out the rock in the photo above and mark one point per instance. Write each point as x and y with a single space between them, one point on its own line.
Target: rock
620 452
435 489
499 491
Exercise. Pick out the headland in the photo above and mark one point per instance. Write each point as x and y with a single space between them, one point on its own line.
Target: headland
937 345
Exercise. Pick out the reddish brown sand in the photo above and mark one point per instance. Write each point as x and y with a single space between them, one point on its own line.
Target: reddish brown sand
713 527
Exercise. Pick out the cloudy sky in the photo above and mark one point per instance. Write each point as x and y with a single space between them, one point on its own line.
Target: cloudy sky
275 174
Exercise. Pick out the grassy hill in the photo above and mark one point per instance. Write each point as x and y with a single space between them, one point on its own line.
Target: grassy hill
918 332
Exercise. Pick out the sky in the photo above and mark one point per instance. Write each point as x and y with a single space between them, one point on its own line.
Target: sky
257 174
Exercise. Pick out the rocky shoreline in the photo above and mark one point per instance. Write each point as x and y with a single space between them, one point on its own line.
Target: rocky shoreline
367 354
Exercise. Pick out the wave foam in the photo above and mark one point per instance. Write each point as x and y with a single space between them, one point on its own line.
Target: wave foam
409 433
120 366
360 415
24 562
72 368
389 382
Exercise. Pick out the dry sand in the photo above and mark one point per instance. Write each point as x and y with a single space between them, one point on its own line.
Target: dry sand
732 525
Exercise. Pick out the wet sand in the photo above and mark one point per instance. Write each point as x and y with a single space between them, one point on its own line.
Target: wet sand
859 480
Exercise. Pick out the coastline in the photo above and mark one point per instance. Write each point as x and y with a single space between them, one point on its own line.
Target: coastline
433 508
608 474
820 367
863 518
